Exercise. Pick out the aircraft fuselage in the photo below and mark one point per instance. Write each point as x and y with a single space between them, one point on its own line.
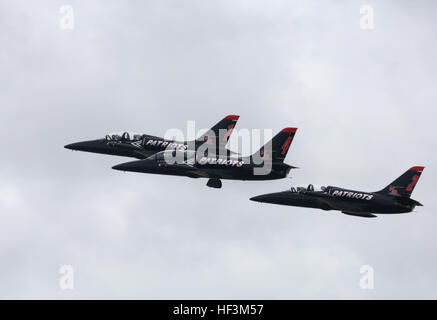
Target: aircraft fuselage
347 201
230 168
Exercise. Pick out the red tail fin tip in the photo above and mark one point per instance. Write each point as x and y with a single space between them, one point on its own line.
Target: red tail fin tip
420 169
289 130
232 117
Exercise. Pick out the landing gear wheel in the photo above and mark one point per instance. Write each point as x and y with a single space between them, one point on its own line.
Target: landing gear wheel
214 183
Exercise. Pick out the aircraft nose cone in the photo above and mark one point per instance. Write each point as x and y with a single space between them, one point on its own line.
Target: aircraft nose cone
120 167
277 197
261 198
92 145
134 166
72 146
99 146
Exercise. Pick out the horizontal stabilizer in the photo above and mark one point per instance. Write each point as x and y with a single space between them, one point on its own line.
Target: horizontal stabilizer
360 214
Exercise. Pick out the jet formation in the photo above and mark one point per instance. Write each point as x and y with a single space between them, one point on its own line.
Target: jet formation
208 157
205 157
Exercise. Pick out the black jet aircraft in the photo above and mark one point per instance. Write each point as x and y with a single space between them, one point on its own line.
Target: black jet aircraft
204 162
395 198
142 146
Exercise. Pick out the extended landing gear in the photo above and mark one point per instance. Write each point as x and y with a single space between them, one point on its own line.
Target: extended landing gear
214 183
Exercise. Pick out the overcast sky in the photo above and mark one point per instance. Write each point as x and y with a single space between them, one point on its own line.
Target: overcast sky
363 100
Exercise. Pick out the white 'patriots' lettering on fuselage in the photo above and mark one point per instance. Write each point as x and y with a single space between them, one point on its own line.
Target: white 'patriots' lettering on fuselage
352 194
221 161
166 144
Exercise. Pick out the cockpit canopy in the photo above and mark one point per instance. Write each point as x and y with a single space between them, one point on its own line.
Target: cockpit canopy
123 136
309 188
